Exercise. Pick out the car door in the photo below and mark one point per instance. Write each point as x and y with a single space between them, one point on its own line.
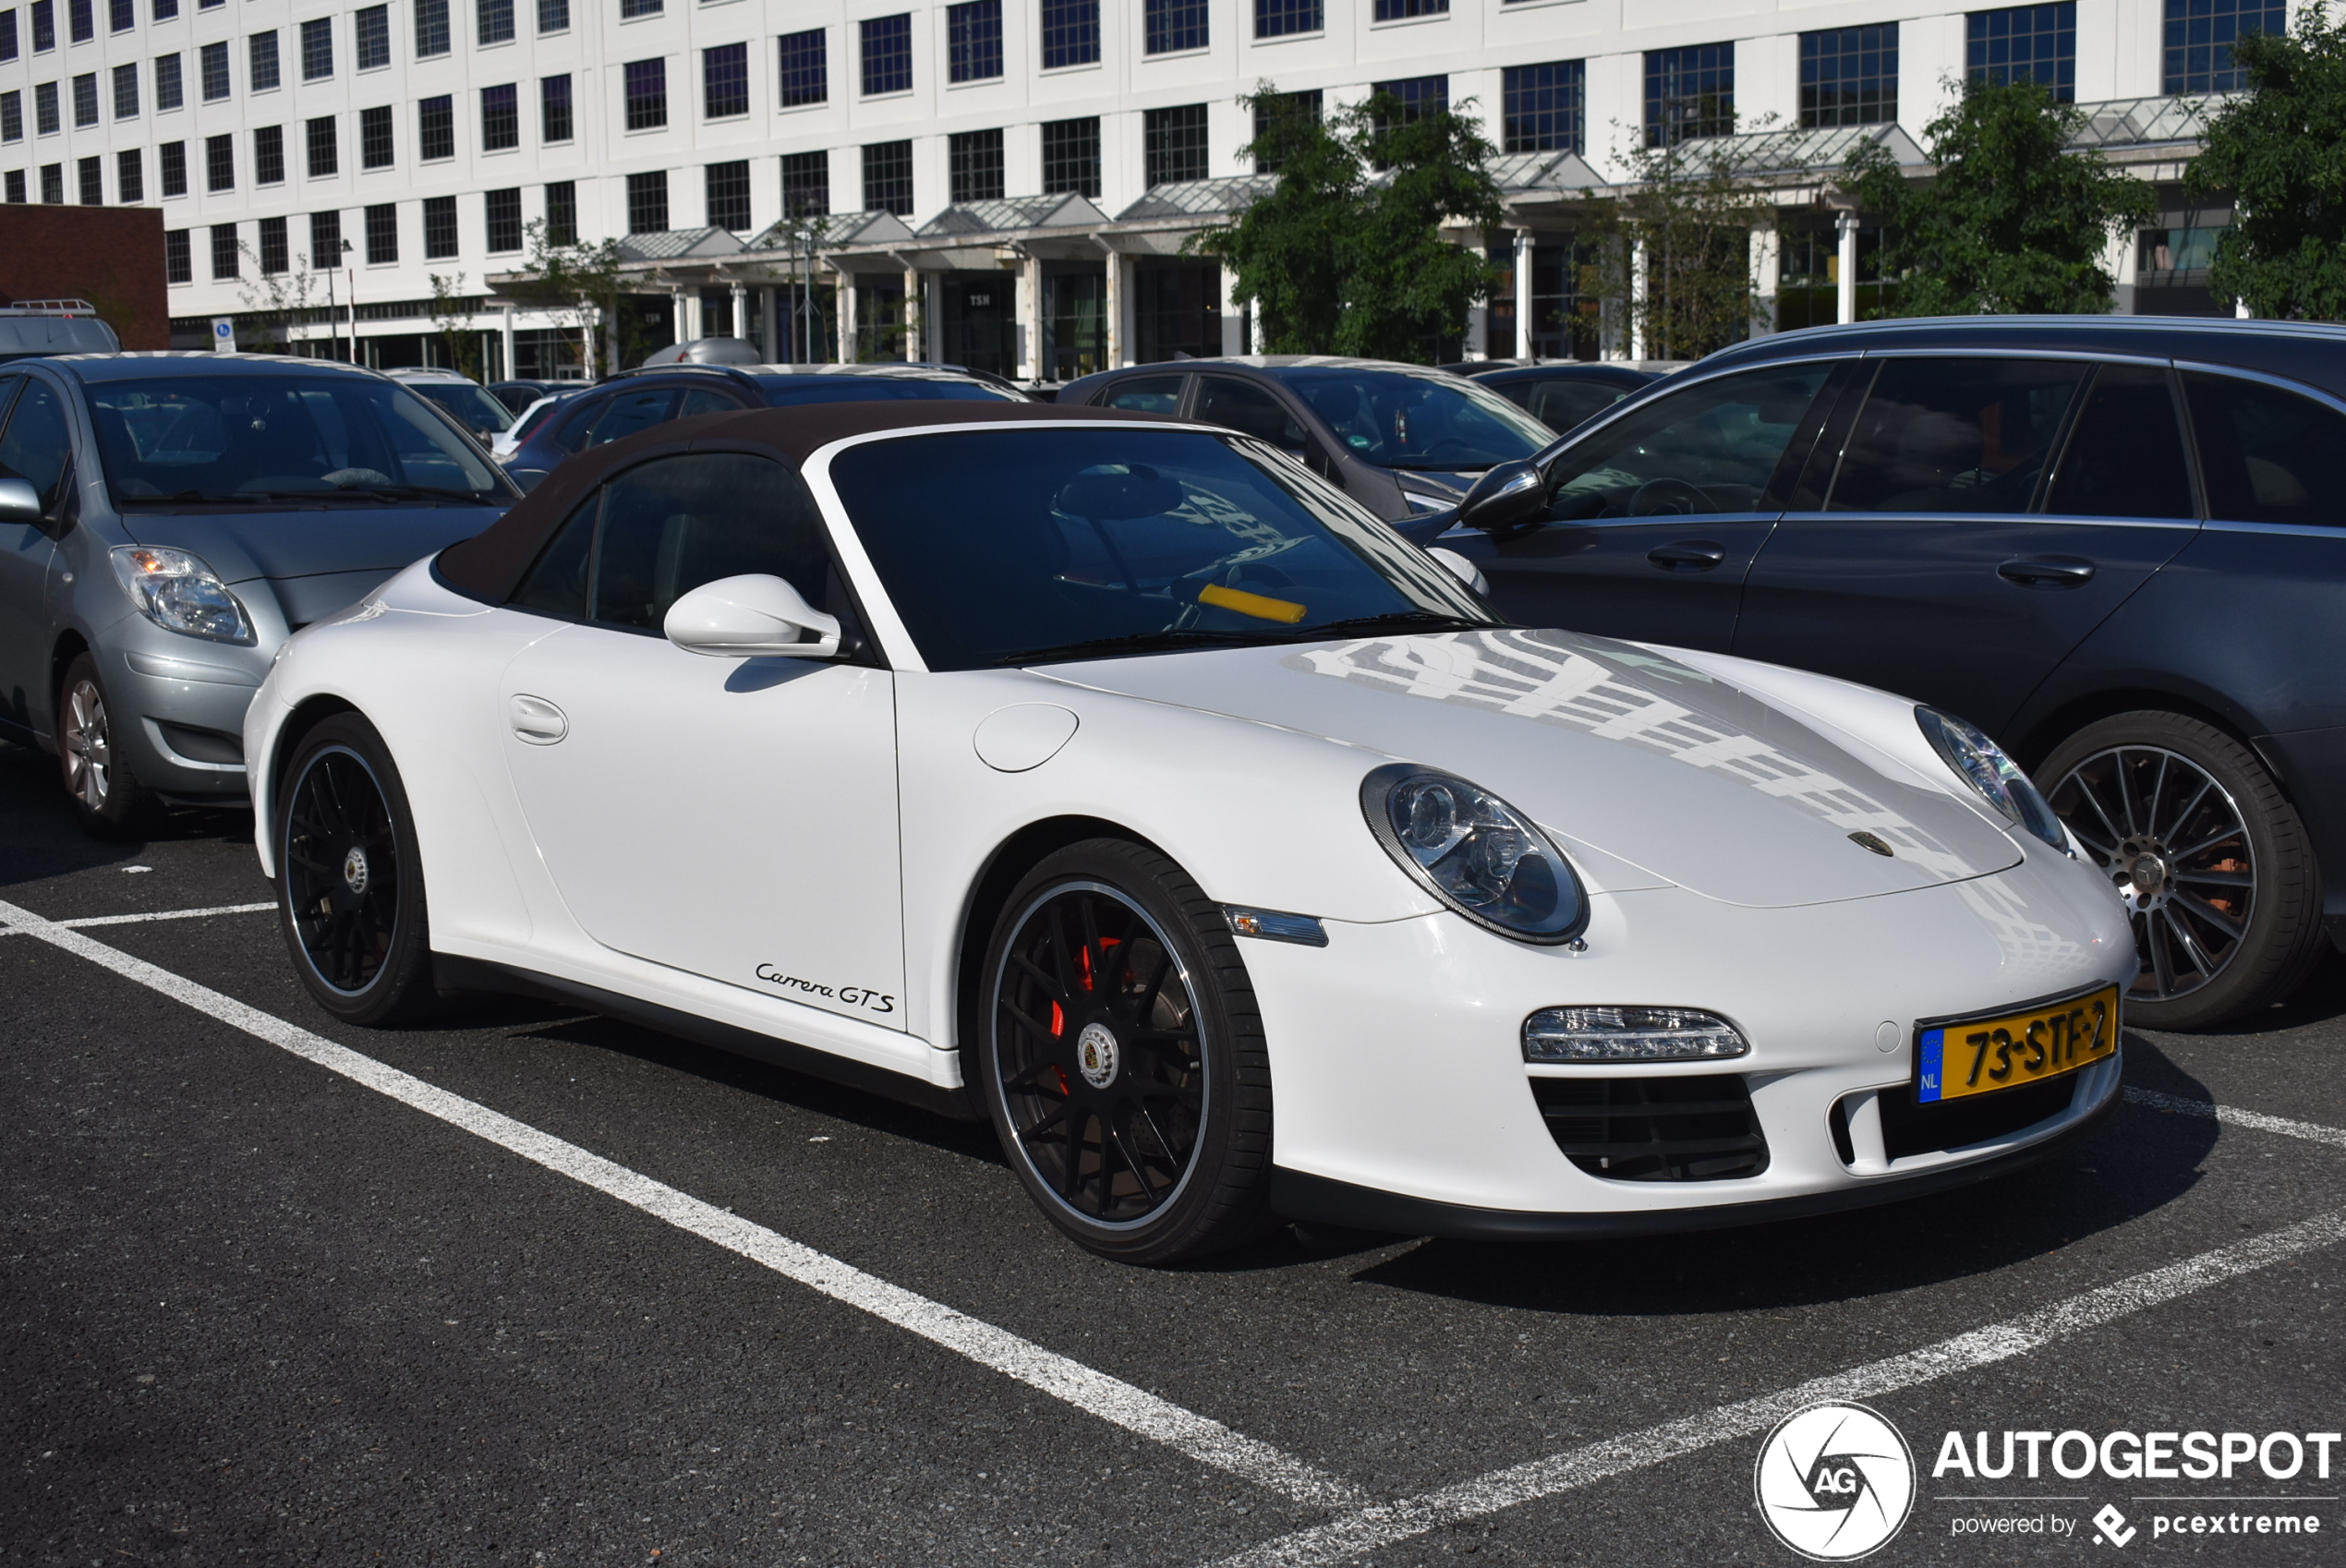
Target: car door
34 446
732 818
1653 520
1985 515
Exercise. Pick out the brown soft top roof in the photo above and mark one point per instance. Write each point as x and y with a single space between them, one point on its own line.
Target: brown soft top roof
489 564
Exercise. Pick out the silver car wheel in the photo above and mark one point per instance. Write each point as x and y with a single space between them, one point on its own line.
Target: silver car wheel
88 745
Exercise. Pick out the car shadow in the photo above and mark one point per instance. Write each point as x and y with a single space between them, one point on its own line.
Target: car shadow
2321 997
39 839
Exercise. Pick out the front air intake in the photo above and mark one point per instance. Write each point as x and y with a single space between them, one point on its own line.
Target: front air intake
1695 1129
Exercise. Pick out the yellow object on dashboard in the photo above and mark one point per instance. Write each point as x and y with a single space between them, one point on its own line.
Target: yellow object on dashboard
1261 607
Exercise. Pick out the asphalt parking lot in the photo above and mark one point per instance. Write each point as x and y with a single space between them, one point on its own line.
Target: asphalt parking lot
535 1287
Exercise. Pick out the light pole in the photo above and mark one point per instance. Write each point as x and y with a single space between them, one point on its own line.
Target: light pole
351 277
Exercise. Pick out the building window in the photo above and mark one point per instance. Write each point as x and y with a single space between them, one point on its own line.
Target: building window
324 148
2034 43
431 32
317 49
1283 18
1266 113
440 227
1072 157
325 241
493 19
887 177
647 94
1849 77
12 191
224 250
11 117
1174 144
1690 92
8 41
1413 97
499 118
887 54
173 156
44 27
435 128
374 137
561 213
214 67
1172 26
2199 41
179 258
130 176
728 190
647 203
220 163
802 68
262 53
554 16
1402 10
85 25
1071 33
124 14
724 82
553 109
169 93
973 41
85 100
90 174
383 234
275 255
1543 106
806 185
165 9
269 155
631 8
974 163
501 212
53 185
44 108
371 37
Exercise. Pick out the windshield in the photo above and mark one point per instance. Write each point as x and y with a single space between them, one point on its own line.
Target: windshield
1023 546
1396 420
293 439
474 407
782 393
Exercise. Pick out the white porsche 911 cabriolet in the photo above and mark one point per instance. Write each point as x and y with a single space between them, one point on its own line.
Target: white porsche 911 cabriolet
1118 780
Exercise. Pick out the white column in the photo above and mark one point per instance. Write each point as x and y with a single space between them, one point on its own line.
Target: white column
1233 324
694 327
1523 293
1030 309
915 322
850 351
1637 280
679 320
1767 270
1845 305
509 374
1119 333
741 310
769 330
931 337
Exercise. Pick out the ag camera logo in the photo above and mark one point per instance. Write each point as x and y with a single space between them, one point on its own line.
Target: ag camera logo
1834 1481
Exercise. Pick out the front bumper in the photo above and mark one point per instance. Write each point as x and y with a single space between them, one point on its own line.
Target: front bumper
180 709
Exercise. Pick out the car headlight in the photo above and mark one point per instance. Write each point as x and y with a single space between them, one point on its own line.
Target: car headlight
179 593
1475 852
1981 763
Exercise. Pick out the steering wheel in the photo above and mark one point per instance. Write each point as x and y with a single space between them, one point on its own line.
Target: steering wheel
1669 498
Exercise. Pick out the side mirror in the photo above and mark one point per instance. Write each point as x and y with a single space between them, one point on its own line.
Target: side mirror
750 617
1465 571
19 503
1510 495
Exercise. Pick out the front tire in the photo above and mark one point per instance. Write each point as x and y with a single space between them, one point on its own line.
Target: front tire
108 800
350 886
1120 1052
2216 868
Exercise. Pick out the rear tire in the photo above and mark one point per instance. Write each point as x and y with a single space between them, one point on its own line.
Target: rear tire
108 800
350 885
2212 860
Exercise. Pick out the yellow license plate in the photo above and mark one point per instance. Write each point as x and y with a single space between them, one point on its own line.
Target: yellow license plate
1982 1055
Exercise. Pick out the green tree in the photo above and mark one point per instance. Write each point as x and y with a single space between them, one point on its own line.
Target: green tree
1685 210
452 312
1345 254
575 282
2280 150
2013 221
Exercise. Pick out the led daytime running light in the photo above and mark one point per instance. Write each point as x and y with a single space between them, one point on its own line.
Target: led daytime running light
1630 1034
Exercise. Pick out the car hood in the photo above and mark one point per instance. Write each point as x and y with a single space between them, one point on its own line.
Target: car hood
242 546
1609 746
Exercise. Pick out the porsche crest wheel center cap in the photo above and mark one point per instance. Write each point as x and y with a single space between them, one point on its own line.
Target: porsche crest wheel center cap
1095 1055
354 870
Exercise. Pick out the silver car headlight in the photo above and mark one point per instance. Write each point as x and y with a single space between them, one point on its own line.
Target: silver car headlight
179 593
1475 852
1981 763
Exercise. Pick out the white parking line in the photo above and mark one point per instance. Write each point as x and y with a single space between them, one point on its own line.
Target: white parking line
88 920
1111 1399
1371 1529
2231 1116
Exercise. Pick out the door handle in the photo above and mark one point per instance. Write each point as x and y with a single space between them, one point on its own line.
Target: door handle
2047 572
1688 555
537 720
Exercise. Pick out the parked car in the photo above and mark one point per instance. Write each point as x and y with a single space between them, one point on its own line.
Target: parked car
1402 440
531 416
1562 395
641 399
2116 543
467 402
708 351
38 327
169 519
1111 778
518 395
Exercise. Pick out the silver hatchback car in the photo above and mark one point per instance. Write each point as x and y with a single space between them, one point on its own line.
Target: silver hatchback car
167 520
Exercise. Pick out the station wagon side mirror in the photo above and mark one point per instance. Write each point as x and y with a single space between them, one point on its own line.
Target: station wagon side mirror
755 616
19 503
1510 495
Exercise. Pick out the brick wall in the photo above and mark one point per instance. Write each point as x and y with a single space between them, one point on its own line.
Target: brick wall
110 256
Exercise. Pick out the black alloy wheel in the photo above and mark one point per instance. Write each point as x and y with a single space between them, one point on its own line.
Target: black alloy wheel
1122 1057
2215 868
350 890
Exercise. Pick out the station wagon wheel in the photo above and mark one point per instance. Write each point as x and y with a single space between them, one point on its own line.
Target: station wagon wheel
2215 868
350 888
108 800
1122 1056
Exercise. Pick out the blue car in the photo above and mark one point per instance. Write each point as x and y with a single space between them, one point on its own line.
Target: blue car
167 520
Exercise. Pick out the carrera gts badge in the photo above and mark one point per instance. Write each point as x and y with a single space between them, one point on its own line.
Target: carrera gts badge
1873 841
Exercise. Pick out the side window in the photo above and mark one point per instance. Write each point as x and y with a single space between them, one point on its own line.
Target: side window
701 400
1954 435
1560 404
1712 446
675 523
2268 455
1250 409
38 443
1148 395
631 412
2124 457
580 419
557 584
